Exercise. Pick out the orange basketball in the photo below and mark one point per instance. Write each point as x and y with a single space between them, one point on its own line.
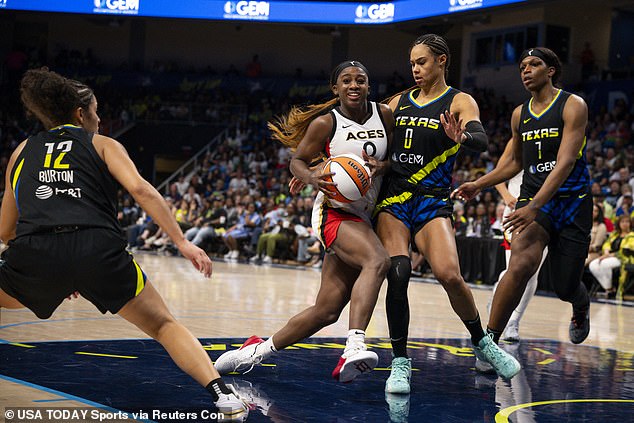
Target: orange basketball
351 176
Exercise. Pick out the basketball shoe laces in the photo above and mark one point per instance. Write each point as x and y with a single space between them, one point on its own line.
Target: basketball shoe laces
494 352
252 360
579 319
400 370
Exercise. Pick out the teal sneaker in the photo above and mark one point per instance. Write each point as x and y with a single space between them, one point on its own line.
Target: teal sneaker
398 407
398 382
504 364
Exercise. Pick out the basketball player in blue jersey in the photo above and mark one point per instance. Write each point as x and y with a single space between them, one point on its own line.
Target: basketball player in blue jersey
554 208
59 218
510 195
356 262
433 121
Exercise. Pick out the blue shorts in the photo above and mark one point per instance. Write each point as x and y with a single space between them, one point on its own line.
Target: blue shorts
568 220
416 210
238 233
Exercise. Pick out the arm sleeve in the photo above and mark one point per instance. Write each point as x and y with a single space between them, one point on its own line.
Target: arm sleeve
477 139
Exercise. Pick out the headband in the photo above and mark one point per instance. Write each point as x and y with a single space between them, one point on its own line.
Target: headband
535 52
348 64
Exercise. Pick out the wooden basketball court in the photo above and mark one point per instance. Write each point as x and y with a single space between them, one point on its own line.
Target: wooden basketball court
42 365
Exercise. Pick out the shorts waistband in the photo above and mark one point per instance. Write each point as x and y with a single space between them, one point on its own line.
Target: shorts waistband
60 229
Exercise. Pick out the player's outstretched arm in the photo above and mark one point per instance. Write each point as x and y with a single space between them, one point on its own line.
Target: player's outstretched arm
123 170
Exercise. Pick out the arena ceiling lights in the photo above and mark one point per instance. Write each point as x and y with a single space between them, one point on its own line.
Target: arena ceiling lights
309 12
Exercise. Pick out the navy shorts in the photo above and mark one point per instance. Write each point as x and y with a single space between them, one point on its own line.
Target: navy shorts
41 270
568 220
414 206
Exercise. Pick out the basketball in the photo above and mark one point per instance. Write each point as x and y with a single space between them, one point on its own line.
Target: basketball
352 177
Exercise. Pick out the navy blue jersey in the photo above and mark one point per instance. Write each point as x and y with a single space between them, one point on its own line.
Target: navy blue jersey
422 154
59 180
541 137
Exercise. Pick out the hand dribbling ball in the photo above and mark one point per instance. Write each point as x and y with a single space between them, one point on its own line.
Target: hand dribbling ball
352 177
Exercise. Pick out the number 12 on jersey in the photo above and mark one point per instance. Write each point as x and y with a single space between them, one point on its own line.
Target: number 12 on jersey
64 146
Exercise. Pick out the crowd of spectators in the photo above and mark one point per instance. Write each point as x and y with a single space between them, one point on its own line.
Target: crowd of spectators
236 204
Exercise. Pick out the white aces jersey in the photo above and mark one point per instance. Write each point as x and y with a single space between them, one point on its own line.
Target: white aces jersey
351 137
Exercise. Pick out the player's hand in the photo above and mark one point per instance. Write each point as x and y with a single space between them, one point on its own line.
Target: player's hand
296 185
465 192
510 202
453 128
318 180
197 256
376 167
519 220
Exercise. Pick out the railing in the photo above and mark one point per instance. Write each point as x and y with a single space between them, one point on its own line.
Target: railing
190 165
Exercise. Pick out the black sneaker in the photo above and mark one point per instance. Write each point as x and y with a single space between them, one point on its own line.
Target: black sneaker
579 326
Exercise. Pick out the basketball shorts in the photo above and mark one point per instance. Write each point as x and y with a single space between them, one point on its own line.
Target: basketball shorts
568 220
414 207
41 270
326 221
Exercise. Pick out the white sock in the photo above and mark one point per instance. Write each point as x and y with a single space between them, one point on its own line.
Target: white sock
355 337
268 348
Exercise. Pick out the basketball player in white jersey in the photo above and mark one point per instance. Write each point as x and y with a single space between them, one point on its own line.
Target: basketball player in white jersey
356 262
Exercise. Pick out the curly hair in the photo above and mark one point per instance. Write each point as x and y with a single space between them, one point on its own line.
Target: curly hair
52 98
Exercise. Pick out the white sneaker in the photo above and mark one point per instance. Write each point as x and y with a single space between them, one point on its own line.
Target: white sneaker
232 407
243 359
252 394
267 260
511 332
354 362
254 259
235 254
228 255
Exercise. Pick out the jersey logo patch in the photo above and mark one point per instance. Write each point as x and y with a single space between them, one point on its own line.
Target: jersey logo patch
526 120
404 107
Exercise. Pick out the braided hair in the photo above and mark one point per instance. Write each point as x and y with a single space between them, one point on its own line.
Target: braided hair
438 46
52 98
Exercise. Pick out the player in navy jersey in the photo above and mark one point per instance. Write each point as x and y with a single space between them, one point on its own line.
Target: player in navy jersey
356 262
59 221
432 122
554 208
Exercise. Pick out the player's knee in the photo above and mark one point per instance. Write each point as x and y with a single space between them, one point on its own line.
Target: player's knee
399 272
523 269
327 317
378 264
449 278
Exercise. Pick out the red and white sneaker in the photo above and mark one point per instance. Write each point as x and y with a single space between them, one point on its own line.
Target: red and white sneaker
243 359
354 362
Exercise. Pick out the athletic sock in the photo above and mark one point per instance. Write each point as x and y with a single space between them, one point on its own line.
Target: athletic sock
496 334
475 329
399 347
268 348
355 337
217 387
